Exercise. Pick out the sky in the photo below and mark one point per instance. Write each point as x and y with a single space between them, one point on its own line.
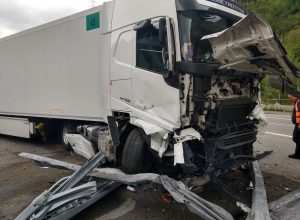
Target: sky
18 15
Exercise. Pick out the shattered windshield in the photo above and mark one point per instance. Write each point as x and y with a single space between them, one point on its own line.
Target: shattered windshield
194 25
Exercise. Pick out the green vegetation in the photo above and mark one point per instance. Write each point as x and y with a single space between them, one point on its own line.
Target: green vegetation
284 16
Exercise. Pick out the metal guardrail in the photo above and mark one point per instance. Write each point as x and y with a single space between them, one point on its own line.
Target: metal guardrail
277 101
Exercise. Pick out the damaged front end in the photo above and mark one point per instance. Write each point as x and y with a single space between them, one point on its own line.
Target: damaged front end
251 45
216 103
220 75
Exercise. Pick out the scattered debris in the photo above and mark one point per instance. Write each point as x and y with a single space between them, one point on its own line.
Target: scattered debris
196 182
180 193
66 199
166 198
287 189
250 186
245 208
131 189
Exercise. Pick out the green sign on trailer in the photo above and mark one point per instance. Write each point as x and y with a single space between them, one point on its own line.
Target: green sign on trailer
93 21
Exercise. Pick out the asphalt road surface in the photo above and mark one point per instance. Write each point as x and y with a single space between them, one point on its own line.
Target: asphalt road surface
21 181
278 137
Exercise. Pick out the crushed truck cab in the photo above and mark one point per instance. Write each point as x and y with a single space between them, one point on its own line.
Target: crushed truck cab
195 84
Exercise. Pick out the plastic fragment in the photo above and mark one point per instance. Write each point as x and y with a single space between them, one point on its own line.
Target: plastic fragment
287 189
242 206
131 189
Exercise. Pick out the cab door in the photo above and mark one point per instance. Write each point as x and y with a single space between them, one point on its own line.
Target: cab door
121 61
151 92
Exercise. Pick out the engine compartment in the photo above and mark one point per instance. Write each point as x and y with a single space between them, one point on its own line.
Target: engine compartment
219 102
219 108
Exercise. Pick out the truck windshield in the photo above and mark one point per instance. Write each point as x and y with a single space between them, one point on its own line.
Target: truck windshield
194 25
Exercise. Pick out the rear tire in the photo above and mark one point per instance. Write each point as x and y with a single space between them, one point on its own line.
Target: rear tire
136 157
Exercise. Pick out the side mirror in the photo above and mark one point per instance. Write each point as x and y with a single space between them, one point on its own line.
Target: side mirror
163 31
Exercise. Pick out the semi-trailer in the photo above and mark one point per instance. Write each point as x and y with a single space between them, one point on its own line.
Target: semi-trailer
161 86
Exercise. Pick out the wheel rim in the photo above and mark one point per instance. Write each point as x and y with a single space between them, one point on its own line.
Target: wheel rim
65 140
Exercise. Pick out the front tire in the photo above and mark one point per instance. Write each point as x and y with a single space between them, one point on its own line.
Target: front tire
136 157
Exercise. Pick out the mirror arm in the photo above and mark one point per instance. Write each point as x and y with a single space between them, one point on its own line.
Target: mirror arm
142 24
170 45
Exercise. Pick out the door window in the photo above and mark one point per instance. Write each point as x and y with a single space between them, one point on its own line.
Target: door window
150 50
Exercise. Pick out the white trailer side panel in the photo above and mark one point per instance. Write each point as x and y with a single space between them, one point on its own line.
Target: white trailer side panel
54 70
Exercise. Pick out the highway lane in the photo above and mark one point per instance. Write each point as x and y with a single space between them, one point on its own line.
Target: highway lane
278 137
21 181
280 124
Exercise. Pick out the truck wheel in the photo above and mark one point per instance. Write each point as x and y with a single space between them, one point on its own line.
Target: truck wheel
136 157
66 129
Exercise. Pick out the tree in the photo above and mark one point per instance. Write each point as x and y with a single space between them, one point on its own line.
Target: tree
293 44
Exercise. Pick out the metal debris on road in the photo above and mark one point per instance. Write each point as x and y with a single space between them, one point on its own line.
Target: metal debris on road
66 199
286 207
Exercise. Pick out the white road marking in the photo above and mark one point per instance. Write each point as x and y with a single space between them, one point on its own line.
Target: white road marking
126 207
286 119
281 124
280 135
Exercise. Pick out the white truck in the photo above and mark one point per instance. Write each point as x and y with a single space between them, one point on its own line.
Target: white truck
162 86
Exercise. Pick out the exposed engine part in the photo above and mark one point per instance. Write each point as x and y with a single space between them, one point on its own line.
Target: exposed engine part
220 97
105 145
219 107
223 88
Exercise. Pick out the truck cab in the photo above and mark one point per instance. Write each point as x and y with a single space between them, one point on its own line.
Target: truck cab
181 103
